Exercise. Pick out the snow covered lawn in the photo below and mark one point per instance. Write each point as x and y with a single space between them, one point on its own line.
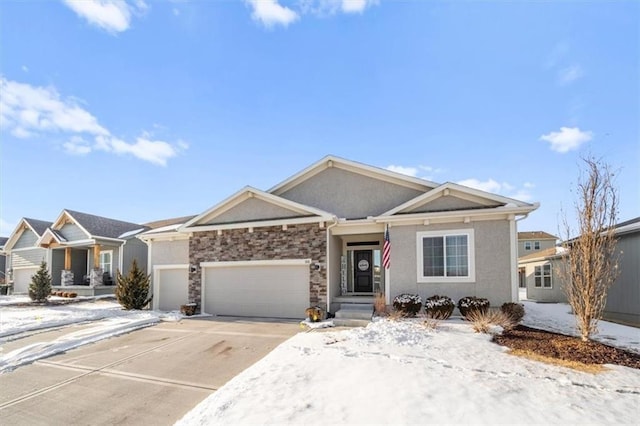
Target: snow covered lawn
107 319
402 373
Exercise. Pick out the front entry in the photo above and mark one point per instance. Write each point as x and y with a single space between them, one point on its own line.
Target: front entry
363 271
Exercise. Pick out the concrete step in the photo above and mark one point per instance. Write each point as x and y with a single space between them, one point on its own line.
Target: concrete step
344 322
359 311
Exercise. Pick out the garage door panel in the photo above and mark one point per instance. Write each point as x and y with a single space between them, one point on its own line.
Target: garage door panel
263 291
173 288
22 279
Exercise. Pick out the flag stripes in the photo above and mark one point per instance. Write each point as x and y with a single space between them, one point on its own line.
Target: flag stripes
386 250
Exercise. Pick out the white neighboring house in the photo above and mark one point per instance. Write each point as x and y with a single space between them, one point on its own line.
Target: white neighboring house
23 253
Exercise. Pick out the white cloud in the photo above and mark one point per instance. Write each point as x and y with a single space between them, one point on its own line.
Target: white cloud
529 185
495 187
27 111
409 171
356 6
570 74
111 15
331 7
567 139
422 172
270 13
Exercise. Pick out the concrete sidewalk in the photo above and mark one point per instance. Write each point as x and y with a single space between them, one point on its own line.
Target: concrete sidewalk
150 376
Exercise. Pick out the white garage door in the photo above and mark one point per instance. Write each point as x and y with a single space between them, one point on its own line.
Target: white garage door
22 279
273 289
171 287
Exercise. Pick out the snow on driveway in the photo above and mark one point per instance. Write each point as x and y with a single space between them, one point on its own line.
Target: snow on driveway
402 373
107 317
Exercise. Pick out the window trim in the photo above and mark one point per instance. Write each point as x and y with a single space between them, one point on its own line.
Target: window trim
110 261
536 245
527 245
542 276
469 233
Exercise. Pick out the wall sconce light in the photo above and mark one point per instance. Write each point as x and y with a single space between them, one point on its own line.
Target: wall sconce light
193 268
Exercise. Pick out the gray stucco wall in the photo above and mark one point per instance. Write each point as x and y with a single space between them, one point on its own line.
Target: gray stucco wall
623 300
72 232
170 252
446 203
134 249
492 262
542 294
349 195
27 239
24 258
335 253
253 209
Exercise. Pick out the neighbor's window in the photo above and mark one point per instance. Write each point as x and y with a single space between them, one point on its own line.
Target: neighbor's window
527 245
445 256
536 245
542 276
106 261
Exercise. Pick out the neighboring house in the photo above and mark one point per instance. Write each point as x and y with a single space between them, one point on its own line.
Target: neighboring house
540 273
530 242
23 253
317 239
3 260
623 300
80 250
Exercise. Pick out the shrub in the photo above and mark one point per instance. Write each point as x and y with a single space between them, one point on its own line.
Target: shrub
514 310
73 294
132 290
482 320
380 304
40 287
469 304
439 307
407 305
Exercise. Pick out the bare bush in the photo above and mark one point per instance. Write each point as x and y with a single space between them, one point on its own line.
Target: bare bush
590 264
482 320
380 304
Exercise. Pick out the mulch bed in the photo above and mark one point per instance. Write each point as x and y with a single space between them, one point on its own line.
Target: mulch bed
567 348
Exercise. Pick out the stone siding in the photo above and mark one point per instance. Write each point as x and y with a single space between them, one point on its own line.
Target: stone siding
307 241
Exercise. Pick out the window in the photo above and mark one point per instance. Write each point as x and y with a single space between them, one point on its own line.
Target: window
527 245
106 261
536 245
445 256
542 276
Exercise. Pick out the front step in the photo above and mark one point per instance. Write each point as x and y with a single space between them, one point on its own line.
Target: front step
355 311
342 322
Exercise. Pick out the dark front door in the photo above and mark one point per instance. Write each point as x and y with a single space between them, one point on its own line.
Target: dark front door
363 271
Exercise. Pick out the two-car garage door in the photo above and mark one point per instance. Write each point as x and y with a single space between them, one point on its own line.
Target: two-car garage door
270 288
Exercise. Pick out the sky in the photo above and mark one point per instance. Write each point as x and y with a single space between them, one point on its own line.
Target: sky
142 110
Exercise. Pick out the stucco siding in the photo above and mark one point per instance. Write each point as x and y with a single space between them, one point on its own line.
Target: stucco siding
335 255
72 232
446 203
27 258
544 294
492 262
134 249
253 209
623 300
349 195
27 239
174 252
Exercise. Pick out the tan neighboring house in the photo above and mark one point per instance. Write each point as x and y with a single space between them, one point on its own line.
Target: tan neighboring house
540 274
530 242
317 238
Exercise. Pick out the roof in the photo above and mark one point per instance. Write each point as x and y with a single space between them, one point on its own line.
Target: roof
536 235
629 226
99 226
3 241
550 253
168 222
39 226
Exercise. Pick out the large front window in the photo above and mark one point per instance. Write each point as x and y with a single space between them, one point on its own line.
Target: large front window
445 256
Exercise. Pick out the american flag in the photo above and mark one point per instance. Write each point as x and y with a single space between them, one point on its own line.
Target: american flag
386 250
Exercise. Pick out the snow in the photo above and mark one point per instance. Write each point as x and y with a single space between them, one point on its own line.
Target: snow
105 317
403 372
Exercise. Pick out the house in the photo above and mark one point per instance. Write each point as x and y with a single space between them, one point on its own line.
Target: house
23 253
317 238
540 272
82 251
3 260
530 242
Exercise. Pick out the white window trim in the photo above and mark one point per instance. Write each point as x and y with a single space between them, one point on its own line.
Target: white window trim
451 232
536 243
527 245
542 276
110 263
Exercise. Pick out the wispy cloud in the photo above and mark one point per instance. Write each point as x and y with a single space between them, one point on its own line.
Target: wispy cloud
502 188
331 7
422 172
113 16
270 13
557 54
567 139
27 111
569 74
409 171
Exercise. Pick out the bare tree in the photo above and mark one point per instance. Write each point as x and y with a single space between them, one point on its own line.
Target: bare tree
590 263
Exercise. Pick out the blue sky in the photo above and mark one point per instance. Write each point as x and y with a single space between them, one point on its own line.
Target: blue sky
144 110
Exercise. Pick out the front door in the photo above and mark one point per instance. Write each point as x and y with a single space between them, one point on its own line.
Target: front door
363 271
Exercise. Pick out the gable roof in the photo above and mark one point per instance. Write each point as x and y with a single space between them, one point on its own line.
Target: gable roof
3 241
97 226
546 254
38 227
306 213
355 167
449 188
628 226
168 222
536 235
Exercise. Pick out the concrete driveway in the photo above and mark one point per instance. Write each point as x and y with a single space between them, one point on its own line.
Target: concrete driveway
150 376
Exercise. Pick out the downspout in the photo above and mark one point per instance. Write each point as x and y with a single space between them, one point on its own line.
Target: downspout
334 218
515 290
